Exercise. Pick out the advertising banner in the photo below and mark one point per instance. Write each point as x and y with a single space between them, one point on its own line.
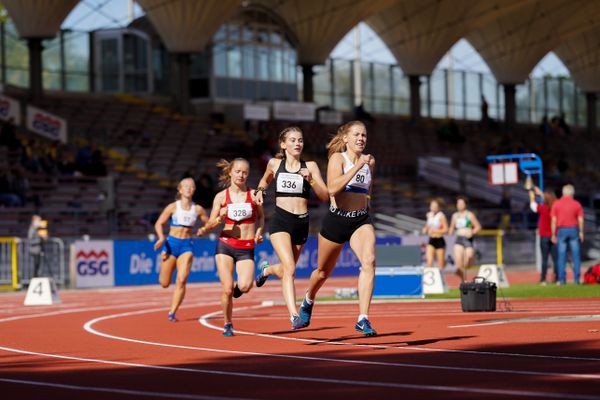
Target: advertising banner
94 263
136 262
46 124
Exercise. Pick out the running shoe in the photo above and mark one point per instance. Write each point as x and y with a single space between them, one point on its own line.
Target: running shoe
364 326
237 292
262 278
228 329
297 323
306 312
172 317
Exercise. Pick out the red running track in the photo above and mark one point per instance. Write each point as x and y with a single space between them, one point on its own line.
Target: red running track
118 344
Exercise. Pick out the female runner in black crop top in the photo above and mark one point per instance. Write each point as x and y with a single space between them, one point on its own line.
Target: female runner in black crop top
289 226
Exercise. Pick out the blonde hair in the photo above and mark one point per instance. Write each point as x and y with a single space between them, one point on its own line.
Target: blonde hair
178 195
283 136
336 144
226 167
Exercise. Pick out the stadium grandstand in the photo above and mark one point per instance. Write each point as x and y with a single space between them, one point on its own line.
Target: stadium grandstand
169 92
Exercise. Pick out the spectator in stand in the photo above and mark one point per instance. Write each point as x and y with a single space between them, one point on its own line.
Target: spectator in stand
206 192
544 231
484 111
7 196
567 229
362 115
562 123
8 136
37 234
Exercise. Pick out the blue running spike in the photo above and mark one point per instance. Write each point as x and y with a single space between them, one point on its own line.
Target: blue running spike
228 330
262 278
297 323
306 312
172 317
364 326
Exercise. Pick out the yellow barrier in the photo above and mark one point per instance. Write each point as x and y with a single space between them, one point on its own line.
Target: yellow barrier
498 233
14 279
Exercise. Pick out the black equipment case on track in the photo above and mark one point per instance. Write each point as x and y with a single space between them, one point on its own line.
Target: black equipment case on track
478 295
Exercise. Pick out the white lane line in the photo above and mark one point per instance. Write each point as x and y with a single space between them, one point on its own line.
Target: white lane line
167 395
204 321
329 381
88 326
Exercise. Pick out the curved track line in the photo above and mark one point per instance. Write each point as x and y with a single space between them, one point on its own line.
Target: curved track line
436 388
118 391
88 326
203 320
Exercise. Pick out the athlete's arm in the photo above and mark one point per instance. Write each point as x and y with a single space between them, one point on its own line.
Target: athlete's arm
260 223
160 222
452 225
215 218
266 179
318 184
476 224
336 179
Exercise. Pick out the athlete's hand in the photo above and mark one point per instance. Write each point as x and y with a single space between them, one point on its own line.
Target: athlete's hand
158 244
259 199
305 174
366 158
223 212
201 231
258 237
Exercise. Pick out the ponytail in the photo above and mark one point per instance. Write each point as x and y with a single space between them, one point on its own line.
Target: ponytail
283 136
226 166
336 144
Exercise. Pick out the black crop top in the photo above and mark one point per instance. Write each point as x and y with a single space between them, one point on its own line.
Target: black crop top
291 184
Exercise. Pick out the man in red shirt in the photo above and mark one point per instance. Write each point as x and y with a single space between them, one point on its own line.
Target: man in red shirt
567 228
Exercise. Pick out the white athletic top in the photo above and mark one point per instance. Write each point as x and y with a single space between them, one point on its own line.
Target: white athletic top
434 221
361 181
185 218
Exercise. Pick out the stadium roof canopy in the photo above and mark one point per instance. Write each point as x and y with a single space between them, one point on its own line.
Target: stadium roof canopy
512 36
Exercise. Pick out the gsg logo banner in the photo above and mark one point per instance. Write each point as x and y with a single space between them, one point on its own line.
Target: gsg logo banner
94 263
46 124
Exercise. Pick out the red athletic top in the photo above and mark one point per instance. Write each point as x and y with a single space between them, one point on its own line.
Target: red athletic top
240 213
544 221
566 210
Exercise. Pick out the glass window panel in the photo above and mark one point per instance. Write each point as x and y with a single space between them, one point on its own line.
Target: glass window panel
473 96
234 61
424 95
401 92
276 38
568 100
263 63
439 108
51 64
109 65
276 65
248 63
17 57
457 95
343 84
321 84
538 96
490 89
220 60
292 66
553 95
77 82
522 102
383 88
